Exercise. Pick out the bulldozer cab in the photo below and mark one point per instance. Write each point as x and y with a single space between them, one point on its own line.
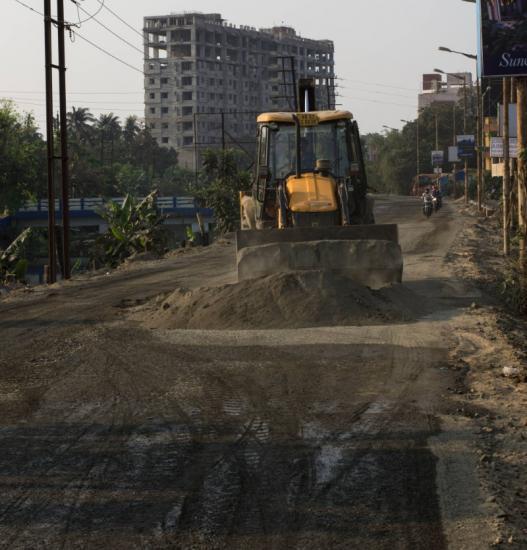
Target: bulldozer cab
305 161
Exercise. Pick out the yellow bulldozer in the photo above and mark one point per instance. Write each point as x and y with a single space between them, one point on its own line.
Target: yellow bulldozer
309 208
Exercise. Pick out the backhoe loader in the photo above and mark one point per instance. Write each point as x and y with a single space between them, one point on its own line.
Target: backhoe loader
309 208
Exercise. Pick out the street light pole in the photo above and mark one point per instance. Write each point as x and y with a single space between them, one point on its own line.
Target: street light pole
475 58
464 79
418 160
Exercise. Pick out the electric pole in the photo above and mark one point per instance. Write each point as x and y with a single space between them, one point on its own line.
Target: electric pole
51 157
65 173
52 250
479 145
522 170
506 169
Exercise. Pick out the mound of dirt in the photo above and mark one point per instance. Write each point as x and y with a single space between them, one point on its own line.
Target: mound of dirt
286 300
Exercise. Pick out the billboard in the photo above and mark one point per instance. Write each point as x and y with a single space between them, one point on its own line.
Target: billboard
496 147
503 37
466 146
513 120
452 154
437 158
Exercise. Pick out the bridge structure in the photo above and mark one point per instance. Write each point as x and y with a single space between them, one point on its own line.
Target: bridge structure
180 213
85 217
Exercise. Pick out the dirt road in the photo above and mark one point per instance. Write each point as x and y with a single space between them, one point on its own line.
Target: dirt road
116 436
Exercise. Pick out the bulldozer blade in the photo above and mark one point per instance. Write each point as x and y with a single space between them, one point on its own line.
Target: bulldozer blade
256 237
368 255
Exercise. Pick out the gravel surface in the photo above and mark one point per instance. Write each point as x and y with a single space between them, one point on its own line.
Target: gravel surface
118 435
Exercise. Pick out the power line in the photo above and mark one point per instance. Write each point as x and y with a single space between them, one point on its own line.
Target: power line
352 88
23 99
91 16
39 92
379 84
120 18
105 27
29 7
105 109
76 33
353 98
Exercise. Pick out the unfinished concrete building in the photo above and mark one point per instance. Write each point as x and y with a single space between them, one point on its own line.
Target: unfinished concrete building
206 80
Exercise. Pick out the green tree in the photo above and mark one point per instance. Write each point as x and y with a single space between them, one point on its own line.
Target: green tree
22 158
392 162
220 183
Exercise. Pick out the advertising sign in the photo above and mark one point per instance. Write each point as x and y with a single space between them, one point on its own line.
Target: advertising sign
466 146
438 158
513 120
496 147
452 154
503 37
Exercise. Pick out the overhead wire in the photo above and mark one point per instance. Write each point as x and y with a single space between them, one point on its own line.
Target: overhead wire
378 84
105 27
29 7
39 92
91 16
87 102
93 44
120 18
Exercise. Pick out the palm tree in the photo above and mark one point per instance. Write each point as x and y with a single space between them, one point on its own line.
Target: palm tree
109 127
79 123
131 129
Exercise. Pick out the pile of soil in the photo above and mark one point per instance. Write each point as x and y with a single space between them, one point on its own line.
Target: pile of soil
286 300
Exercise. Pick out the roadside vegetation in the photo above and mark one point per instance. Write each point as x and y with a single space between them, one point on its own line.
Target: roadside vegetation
108 158
391 158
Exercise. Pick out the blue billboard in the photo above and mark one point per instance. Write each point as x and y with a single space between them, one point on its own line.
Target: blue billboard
503 37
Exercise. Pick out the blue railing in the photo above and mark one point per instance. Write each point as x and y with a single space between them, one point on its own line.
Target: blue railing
92 204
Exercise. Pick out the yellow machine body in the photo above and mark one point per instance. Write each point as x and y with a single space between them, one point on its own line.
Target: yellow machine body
312 193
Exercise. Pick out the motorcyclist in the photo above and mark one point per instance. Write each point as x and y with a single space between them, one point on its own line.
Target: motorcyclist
437 195
427 197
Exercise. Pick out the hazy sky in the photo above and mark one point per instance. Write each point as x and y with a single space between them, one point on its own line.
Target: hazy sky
381 48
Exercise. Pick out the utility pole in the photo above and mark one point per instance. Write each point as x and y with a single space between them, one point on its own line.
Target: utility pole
465 132
522 169
454 133
222 131
479 126
437 132
418 147
506 170
52 258
514 165
51 157
65 174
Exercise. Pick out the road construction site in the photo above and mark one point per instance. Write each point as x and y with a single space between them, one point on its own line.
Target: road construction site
164 405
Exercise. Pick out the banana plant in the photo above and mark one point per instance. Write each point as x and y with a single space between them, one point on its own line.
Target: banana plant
12 263
135 226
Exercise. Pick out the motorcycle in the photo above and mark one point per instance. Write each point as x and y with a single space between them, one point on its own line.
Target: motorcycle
427 208
437 203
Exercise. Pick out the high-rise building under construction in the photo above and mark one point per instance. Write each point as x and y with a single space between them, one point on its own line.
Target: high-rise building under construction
206 80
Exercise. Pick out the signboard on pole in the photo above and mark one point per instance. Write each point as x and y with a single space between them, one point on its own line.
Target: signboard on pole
466 146
496 147
503 37
513 119
438 158
453 155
